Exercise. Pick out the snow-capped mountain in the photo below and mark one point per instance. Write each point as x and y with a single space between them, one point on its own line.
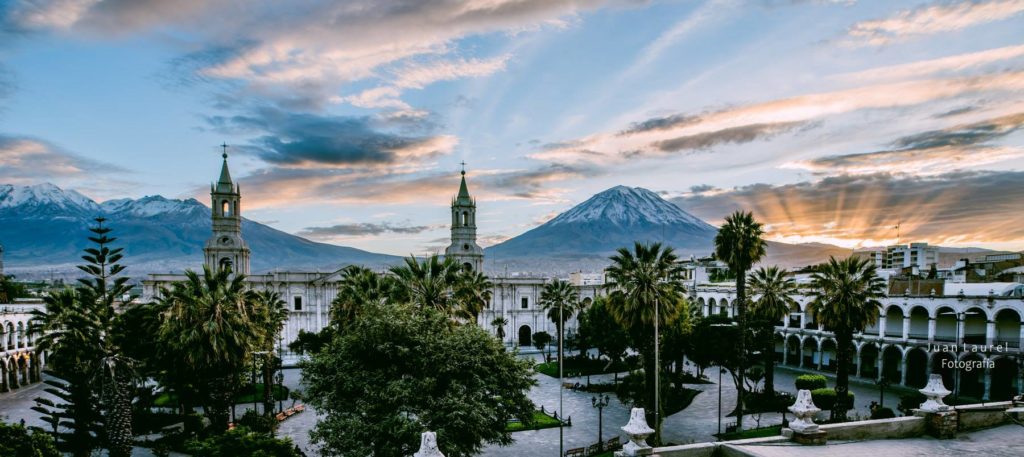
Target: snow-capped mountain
607 221
583 237
43 228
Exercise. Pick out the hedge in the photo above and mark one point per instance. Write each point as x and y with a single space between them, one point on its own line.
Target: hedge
826 399
811 382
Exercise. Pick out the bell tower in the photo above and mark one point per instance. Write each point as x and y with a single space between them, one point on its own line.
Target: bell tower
464 248
226 248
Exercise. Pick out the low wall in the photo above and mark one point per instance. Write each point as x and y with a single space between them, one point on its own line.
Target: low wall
877 429
716 449
973 417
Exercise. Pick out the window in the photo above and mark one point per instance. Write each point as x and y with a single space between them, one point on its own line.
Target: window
526 302
298 303
465 218
225 208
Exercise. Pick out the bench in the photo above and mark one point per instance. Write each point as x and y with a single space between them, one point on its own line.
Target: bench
594 449
576 452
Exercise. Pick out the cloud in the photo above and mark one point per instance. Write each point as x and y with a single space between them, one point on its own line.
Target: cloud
736 135
942 65
362 229
771 118
933 152
959 208
27 160
290 186
932 19
417 76
309 140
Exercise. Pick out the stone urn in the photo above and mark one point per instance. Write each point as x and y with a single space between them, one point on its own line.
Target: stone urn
934 390
638 431
428 446
804 410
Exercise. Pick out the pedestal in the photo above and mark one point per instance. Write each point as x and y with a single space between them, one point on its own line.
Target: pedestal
815 438
940 424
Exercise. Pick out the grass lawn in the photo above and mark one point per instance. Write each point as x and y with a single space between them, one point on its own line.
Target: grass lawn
581 367
540 421
678 400
169 399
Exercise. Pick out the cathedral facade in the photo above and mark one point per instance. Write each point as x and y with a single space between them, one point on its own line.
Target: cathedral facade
514 309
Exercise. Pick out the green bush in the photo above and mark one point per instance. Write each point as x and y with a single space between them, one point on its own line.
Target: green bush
17 441
826 399
811 382
260 423
883 413
910 401
241 442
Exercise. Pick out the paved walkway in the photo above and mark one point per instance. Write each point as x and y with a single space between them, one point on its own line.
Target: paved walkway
1004 441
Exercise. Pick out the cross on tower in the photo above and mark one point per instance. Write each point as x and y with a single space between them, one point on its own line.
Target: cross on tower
463 163
225 148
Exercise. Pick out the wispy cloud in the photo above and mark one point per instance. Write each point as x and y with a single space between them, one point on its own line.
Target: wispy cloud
309 140
768 118
942 65
362 229
934 152
951 209
26 160
932 19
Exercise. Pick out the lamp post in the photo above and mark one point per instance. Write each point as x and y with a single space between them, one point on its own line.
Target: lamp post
600 404
280 373
657 373
262 355
882 382
561 385
720 372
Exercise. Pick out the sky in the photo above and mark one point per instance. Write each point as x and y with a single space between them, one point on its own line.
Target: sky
832 121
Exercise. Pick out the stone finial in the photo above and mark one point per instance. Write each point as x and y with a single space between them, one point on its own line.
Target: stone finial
934 390
638 431
428 446
804 410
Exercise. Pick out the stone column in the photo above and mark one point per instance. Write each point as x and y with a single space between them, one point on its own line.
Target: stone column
906 327
988 382
879 362
785 349
990 332
785 320
960 327
881 326
931 328
903 369
821 354
802 359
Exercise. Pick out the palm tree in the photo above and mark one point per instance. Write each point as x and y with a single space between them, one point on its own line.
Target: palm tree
499 324
845 297
358 288
428 284
210 327
739 244
472 292
271 313
774 291
641 280
561 300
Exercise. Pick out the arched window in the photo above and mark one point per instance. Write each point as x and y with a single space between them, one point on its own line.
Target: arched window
465 218
225 208
225 264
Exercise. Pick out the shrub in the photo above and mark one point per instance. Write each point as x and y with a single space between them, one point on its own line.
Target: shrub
241 442
910 401
883 413
16 440
260 423
826 399
811 382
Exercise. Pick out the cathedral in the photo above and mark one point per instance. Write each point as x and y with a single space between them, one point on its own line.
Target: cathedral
309 294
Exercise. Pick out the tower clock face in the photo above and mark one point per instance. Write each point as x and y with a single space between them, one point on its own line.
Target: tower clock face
225 241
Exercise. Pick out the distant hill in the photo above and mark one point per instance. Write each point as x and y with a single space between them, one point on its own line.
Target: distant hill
44 228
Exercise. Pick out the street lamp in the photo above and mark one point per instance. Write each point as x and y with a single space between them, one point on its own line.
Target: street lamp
882 383
561 384
657 372
720 372
600 404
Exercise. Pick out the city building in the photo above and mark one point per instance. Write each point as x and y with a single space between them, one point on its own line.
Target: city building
20 362
515 299
918 257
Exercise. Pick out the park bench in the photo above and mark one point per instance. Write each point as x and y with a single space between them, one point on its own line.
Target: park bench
594 449
576 452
